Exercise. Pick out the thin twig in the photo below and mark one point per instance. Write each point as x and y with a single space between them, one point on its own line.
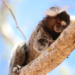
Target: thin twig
14 19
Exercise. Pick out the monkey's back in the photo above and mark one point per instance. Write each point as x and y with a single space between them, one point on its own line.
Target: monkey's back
38 42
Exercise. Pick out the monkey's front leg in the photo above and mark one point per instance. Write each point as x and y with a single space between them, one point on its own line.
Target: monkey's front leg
42 44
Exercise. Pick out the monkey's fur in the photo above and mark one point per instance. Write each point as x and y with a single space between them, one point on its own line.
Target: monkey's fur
44 34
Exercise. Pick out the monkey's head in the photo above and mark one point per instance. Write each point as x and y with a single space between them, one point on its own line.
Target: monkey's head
57 19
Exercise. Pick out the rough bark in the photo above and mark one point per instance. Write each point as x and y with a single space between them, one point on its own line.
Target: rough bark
54 55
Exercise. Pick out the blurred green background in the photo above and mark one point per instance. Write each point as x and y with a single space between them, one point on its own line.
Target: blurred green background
28 14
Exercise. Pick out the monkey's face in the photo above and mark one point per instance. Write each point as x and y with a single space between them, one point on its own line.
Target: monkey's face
60 26
62 21
57 23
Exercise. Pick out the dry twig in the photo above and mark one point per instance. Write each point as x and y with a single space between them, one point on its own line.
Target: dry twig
14 19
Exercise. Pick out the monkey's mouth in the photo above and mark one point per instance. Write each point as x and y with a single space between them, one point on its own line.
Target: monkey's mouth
57 29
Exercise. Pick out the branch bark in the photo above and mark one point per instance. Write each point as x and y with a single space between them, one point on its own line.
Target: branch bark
52 56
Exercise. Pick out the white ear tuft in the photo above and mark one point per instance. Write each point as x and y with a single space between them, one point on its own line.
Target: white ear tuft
53 11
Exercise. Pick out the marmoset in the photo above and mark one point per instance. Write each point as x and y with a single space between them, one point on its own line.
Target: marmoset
46 32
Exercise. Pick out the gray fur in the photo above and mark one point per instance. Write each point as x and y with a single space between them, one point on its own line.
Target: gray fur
17 56
34 46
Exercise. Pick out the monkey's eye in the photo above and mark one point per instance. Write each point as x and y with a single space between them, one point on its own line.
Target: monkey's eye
58 21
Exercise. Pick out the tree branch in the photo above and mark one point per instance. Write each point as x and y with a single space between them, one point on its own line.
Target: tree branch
14 19
52 56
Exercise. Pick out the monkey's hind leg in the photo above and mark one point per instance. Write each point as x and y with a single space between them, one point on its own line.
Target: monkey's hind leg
17 57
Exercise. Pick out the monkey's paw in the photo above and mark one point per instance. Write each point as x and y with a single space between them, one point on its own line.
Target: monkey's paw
17 69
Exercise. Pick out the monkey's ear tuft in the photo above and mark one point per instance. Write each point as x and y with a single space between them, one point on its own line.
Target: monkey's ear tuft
53 11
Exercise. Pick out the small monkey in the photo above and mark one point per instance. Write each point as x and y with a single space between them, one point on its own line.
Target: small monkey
48 30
